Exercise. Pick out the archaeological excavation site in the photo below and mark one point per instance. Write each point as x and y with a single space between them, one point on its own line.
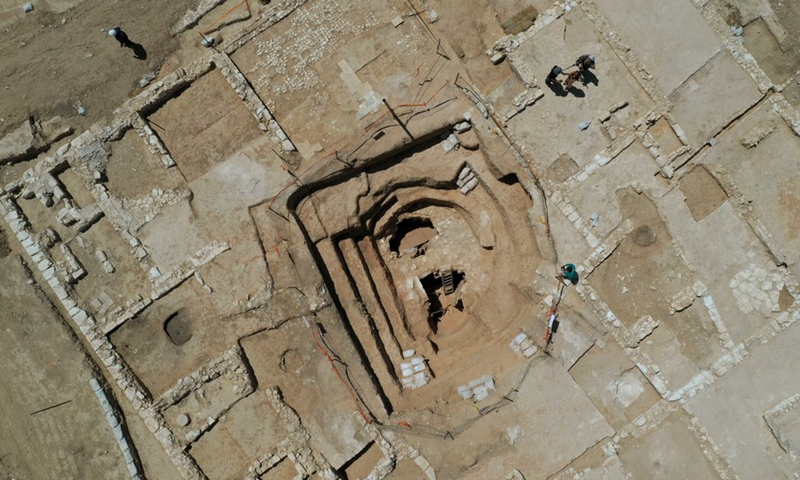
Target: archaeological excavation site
399 240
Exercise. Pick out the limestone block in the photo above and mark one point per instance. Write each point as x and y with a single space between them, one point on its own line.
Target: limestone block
640 330
682 300
80 317
497 58
55 129
20 144
288 146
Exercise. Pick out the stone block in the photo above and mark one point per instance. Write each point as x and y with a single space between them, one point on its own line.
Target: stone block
497 58
110 361
80 317
421 462
55 129
288 146
60 292
20 144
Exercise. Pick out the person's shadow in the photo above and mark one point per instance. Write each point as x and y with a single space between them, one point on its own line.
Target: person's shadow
587 77
138 51
557 88
577 92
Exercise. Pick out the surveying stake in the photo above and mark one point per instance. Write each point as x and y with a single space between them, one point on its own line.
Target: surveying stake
552 321
552 328
568 276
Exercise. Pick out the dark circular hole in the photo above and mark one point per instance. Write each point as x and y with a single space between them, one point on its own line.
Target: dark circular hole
178 327
644 236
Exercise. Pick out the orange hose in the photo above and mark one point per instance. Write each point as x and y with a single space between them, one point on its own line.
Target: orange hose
279 194
375 122
227 13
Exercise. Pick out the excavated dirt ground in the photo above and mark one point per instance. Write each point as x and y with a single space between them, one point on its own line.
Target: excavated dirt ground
51 421
54 61
253 252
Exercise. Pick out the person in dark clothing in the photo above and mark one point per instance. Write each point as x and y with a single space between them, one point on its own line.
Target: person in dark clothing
552 77
121 37
585 62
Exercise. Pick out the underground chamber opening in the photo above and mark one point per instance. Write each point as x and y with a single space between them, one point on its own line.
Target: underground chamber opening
411 235
442 289
178 327
509 179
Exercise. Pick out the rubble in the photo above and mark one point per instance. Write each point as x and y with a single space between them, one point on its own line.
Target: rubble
31 138
639 331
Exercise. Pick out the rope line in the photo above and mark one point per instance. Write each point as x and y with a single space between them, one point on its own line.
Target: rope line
345 383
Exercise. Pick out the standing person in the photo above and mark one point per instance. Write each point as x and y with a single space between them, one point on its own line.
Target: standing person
585 62
569 273
121 37
572 77
552 77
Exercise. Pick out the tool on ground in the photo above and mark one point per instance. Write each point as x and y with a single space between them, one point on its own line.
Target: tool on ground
568 276
552 321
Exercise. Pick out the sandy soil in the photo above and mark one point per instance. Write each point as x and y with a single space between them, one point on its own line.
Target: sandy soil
204 125
134 172
51 423
703 195
53 62
644 268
